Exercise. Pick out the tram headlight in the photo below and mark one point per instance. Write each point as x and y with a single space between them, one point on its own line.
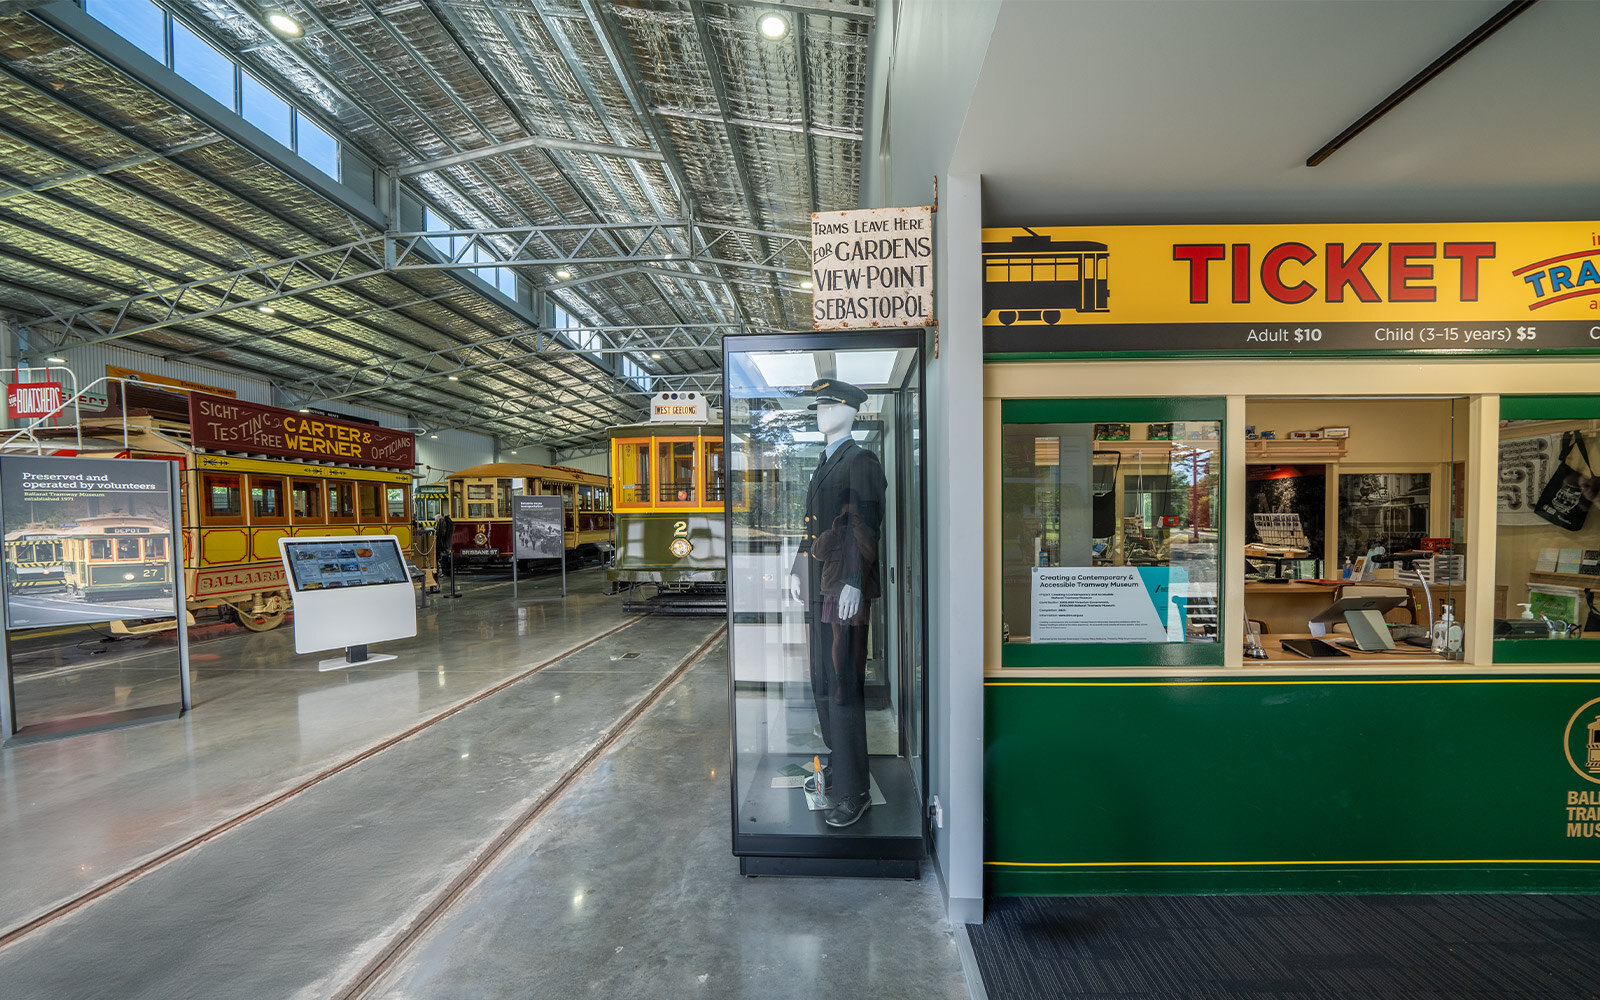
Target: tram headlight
127 576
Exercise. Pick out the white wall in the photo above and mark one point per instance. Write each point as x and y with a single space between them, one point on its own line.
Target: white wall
925 62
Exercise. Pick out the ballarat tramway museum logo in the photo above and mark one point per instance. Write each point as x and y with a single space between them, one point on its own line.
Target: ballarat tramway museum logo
1582 747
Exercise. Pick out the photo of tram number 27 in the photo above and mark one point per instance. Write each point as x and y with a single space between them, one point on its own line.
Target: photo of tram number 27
112 521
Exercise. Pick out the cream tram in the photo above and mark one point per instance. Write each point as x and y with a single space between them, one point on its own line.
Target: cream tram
480 507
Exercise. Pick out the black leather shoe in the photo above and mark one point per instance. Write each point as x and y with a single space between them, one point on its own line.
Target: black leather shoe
848 810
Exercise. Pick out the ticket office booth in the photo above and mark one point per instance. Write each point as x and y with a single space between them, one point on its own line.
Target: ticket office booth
831 496
1289 773
1141 525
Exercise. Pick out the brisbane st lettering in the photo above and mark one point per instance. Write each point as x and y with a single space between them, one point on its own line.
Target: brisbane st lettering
1285 271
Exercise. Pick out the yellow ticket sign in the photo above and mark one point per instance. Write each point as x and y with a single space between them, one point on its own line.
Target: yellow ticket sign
1502 287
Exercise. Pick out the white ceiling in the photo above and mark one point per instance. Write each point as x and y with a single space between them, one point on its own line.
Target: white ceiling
1205 111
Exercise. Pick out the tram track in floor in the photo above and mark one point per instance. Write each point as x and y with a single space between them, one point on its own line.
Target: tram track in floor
485 859
78 902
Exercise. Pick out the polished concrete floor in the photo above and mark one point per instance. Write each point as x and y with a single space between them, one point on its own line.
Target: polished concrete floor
554 822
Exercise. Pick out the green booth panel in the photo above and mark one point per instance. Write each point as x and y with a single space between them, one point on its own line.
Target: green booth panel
1387 784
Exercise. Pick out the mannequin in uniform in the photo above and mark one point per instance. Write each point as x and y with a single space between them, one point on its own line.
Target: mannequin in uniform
836 575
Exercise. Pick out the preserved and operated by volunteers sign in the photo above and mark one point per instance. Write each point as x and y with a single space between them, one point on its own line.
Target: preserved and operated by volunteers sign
872 268
1503 288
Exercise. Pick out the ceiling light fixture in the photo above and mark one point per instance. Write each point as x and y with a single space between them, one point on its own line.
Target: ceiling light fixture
266 309
453 378
434 436
773 25
656 356
563 274
57 361
283 25
806 285
304 409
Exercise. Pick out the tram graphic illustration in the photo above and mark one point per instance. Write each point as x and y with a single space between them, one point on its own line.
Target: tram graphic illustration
1592 761
1033 278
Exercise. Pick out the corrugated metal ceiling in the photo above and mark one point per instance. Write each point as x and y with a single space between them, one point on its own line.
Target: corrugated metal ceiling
661 152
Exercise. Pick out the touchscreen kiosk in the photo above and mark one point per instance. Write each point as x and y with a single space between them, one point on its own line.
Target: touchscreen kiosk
348 590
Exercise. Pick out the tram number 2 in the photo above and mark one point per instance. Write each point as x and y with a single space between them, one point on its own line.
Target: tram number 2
680 529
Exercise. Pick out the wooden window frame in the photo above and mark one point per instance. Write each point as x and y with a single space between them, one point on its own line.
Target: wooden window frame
283 500
207 515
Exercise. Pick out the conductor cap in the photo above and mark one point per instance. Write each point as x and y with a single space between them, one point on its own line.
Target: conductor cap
831 390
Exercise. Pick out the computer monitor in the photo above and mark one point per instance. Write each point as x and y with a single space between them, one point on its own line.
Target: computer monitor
1345 608
1336 611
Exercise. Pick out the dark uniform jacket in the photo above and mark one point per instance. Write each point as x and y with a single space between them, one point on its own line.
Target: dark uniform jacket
845 498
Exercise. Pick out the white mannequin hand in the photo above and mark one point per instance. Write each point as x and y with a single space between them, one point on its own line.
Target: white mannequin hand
849 602
796 592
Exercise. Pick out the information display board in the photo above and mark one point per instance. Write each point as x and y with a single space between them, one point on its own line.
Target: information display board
348 590
538 527
87 540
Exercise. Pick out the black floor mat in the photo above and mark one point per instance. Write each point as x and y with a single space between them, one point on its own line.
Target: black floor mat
1304 947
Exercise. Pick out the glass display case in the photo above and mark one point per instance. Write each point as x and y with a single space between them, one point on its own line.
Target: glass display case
825 602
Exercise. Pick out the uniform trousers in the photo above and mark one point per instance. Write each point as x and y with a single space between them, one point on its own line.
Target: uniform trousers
839 687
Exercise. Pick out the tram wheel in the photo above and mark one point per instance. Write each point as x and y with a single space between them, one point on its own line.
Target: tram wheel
268 616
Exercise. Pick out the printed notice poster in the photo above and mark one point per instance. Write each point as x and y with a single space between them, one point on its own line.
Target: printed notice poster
1105 604
537 530
87 540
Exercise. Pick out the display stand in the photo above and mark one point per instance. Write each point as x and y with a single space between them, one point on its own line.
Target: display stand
74 495
349 590
538 531
837 419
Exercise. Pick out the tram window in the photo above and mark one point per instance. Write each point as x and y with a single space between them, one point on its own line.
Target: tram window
502 498
478 491
395 502
632 473
266 500
127 548
586 498
99 548
341 502
677 471
155 548
716 471
224 500
369 498
306 498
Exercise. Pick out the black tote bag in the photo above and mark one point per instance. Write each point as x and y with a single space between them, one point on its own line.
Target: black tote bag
1563 502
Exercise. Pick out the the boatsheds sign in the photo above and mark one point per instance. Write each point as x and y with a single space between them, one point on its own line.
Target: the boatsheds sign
1497 287
872 268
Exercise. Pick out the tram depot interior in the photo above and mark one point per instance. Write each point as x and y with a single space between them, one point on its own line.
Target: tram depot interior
432 263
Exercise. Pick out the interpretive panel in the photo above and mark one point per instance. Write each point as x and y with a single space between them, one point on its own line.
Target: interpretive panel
87 540
537 527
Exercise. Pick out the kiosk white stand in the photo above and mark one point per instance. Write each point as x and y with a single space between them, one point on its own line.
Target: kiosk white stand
349 590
